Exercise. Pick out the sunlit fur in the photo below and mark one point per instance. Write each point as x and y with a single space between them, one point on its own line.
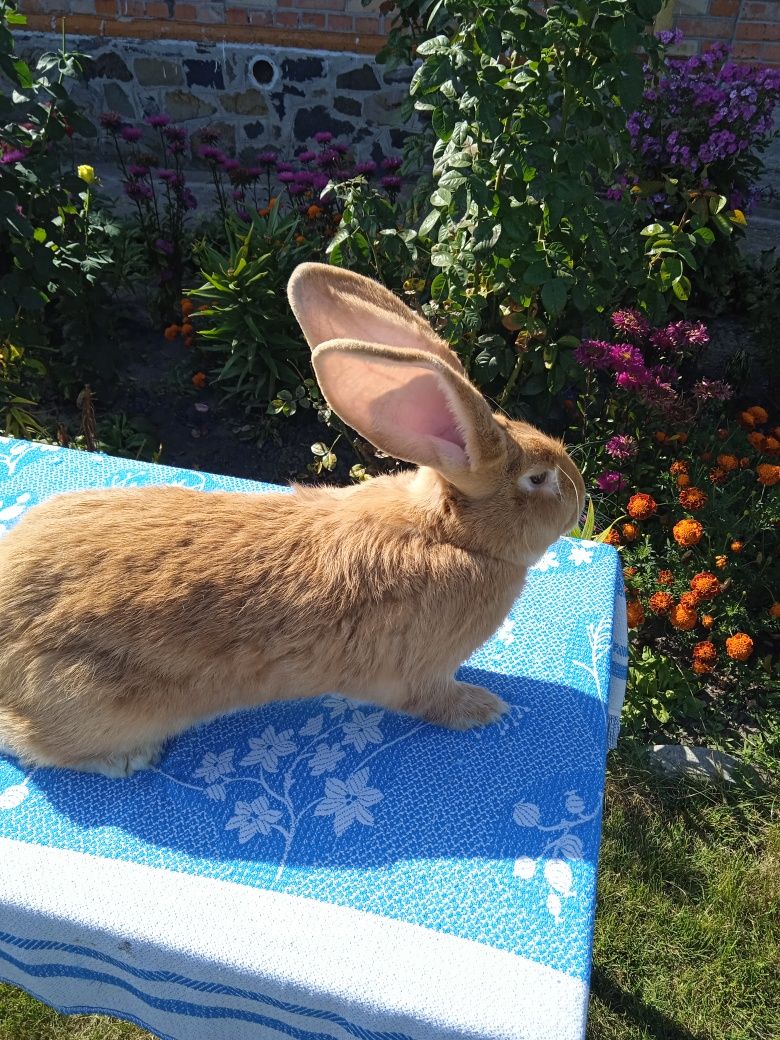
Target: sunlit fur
130 614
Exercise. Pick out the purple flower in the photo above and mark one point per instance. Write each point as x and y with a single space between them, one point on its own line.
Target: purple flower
621 447
14 155
623 358
391 183
366 168
296 189
138 191
712 390
632 323
307 156
328 157
209 135
138 170
131 134
242 214
188 199
176 180
392 162
175 134
212 154
158 121
163 245
284 167
632 380
610 481
322 137
111 121
287 177
267 159
230 165
592 353
668 37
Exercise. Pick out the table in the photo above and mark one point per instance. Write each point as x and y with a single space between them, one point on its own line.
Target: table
326 870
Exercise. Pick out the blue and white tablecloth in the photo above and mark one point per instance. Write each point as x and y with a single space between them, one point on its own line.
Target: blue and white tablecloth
326 870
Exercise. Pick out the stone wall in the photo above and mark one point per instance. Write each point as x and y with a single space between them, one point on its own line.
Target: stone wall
257 96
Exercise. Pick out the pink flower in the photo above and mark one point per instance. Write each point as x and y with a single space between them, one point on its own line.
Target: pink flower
712 390
632 323
621 447
625 358
593 353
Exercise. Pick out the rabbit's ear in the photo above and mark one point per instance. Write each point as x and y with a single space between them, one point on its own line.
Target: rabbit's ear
331 303
414 407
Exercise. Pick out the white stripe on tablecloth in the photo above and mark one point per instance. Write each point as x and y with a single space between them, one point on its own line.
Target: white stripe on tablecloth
247 959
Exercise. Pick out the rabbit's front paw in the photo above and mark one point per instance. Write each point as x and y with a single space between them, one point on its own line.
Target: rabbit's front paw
463 706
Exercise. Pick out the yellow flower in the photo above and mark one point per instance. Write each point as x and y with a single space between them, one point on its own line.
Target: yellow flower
87 174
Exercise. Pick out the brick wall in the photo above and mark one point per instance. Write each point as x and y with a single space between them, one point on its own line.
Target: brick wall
750 27
335 25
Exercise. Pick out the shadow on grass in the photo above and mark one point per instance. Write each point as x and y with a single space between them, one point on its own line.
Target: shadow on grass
655 1024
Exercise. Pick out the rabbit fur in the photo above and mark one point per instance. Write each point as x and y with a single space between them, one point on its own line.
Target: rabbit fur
131 614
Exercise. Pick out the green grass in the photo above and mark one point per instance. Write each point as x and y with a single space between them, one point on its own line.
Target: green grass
687 943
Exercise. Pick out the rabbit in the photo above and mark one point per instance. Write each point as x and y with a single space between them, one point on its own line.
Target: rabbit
130 615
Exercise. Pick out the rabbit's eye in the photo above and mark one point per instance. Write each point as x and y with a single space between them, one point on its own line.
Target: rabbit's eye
538 478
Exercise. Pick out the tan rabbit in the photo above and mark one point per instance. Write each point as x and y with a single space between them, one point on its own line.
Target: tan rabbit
129 615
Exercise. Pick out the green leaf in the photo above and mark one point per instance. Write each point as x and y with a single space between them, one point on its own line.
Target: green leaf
554 296
429 223
681 287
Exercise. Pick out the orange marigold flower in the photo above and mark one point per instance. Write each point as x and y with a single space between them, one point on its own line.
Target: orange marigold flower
660 602
772 446
746 421
774 610
737 547
739 647
756 440
680 466
744 462
313 211
300 239
706 651
665 577
728 462
188 341
187 330
690 600
187 307
701 667
720 562
687 532
629 572
683 481
613 538
265 212
767 474
660 436
635 614
759 414
723 434
707 620
641 506
718 475
630 532
172 332
692 498
683 617
705 584
199 380
681 438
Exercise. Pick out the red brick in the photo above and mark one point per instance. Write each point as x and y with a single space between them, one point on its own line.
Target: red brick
762 12
186 12
340 23
131 8
762 31
709 28
729 8
236 16
770 53
287 19
157 10
261 17
366 25
313 5
312 20
749 51
107 7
